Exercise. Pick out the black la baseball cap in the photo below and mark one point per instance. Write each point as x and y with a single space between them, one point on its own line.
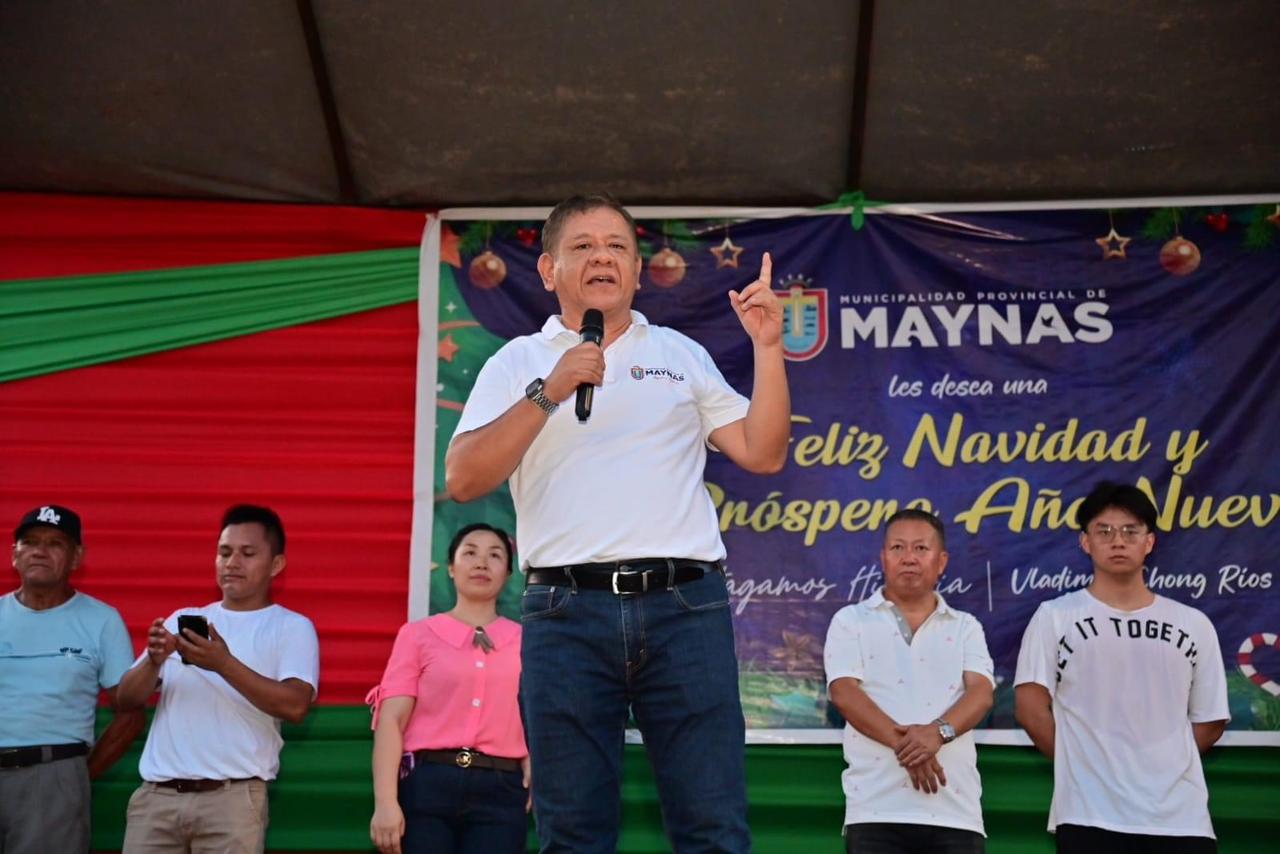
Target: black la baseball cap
50 516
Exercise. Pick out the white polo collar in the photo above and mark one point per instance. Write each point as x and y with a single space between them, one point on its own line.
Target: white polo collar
554 327
877 600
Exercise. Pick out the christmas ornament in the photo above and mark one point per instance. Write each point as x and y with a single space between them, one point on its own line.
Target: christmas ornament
487 270
667 268
1180 256
1113 245
1218 221
527 236
1245 659
1274 219
726 253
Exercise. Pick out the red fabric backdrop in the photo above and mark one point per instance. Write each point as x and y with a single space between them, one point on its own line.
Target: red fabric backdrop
51 235
315 420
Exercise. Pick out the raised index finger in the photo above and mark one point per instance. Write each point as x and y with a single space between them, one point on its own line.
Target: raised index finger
766 268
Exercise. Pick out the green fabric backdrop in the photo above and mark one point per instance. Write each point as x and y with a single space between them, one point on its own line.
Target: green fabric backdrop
49 325
323 799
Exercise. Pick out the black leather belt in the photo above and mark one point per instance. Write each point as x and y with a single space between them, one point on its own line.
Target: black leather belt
184 786
22 757
625 576
465 758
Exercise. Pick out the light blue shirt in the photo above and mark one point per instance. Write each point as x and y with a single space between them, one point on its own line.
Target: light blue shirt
52 665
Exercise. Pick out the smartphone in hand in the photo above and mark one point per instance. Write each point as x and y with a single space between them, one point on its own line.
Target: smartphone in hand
198 625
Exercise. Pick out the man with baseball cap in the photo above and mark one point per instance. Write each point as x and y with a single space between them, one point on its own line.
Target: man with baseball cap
58 648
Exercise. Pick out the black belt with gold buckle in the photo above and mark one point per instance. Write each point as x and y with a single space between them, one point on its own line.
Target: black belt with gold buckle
467 758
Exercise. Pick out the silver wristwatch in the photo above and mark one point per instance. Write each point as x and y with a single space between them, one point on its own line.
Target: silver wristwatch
534 392
946 731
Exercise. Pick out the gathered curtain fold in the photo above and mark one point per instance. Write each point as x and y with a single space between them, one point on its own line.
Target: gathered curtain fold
49 325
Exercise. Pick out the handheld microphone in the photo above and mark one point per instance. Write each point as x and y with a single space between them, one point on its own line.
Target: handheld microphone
593 331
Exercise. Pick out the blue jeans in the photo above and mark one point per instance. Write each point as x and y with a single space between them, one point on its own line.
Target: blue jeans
588 657
452 810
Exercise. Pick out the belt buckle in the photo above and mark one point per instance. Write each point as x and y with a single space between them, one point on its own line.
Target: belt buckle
644 582
464 758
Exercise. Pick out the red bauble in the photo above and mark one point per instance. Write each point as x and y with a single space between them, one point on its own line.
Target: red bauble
667 268
527 236
1218 221
1180 256
487 270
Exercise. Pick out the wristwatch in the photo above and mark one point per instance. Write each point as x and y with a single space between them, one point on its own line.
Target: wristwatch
946 731
534 392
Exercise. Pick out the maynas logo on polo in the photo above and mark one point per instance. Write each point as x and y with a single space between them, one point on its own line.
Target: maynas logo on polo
639 373
804 318
48 514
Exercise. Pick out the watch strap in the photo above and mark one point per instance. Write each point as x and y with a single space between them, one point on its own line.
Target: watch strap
534 392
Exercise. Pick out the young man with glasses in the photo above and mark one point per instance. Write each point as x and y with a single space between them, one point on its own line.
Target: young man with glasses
1123 689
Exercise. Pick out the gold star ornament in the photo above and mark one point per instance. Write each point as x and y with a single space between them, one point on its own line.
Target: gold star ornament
726 253
1113 245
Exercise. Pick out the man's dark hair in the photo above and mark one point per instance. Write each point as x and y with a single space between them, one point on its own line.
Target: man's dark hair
241 514
579 205
1120 495
484 526
911 514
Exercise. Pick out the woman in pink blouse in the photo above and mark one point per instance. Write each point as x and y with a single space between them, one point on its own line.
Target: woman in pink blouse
450 766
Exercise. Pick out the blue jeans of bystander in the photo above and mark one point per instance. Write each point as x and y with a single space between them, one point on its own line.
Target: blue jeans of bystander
452 810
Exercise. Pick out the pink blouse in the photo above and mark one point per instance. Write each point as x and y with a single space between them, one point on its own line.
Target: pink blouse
465 698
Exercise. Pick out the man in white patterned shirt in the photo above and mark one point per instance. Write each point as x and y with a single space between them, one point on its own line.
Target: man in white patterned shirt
912 677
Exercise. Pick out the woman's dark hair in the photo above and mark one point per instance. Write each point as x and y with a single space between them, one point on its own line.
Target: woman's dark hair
484 526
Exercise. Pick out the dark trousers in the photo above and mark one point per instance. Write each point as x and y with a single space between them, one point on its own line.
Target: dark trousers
452 810
886 838
45 808
1078 839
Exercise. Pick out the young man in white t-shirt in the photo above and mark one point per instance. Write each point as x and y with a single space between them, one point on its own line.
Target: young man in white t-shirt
215 740
1123 689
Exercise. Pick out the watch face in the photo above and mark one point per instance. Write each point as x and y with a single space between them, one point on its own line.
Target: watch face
533 388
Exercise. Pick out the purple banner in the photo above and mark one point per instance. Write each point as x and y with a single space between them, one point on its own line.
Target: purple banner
988 366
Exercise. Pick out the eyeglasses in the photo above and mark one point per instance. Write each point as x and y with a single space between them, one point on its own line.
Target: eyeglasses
1128 533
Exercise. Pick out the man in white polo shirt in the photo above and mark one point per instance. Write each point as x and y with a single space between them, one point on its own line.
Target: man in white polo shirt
1123 689
215 740
626 607
912 677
